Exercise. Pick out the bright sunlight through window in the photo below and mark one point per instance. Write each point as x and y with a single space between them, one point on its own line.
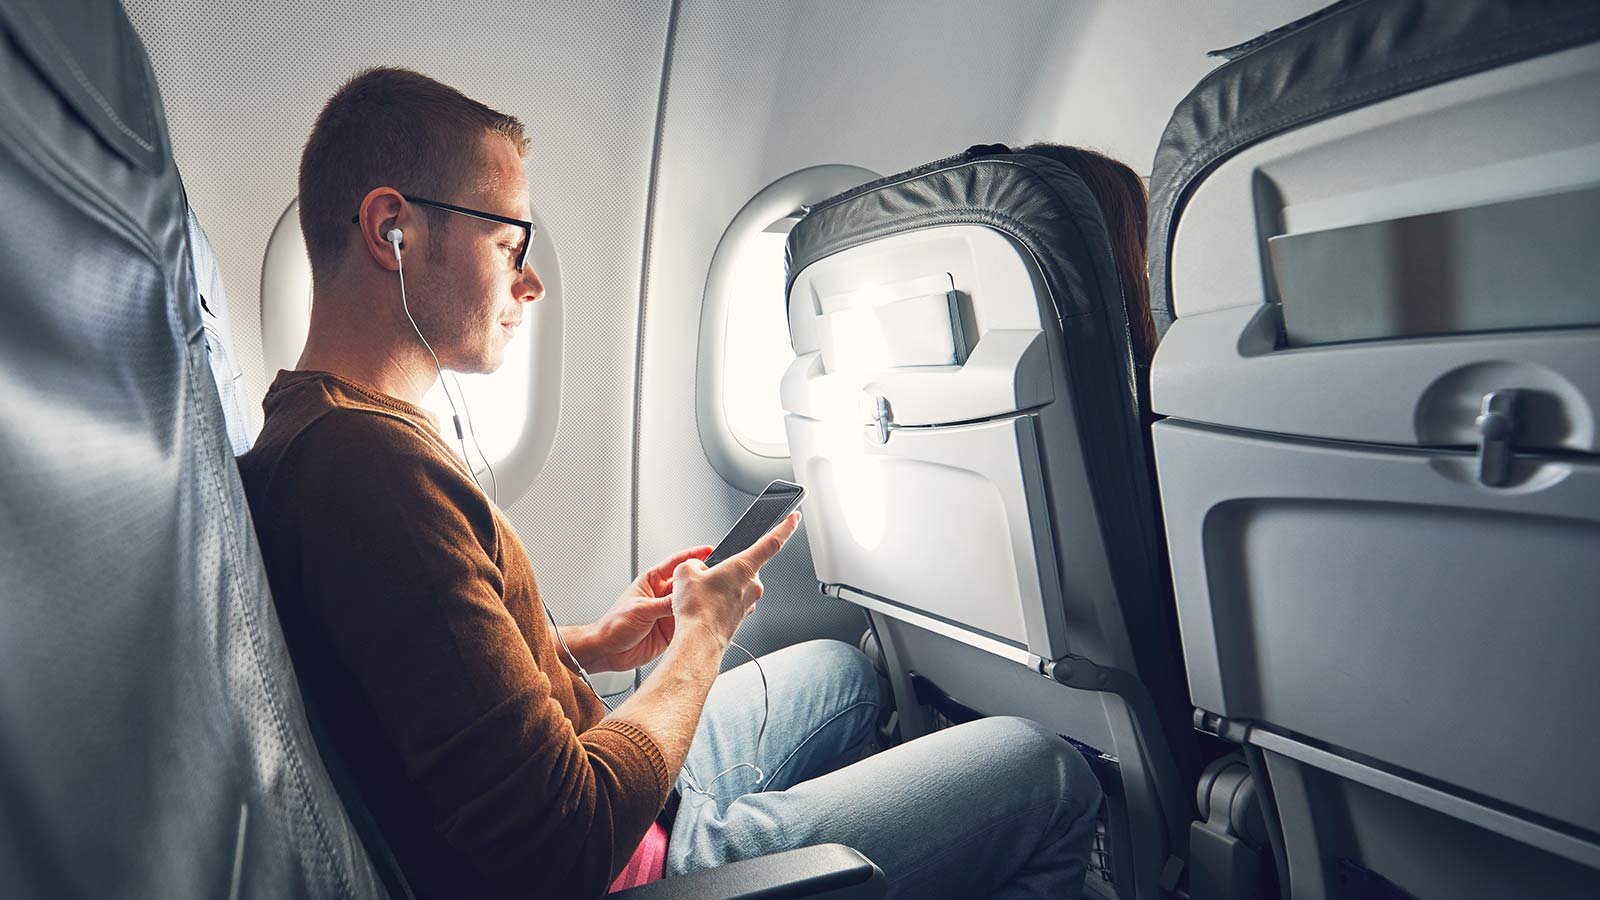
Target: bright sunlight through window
757 348
498 404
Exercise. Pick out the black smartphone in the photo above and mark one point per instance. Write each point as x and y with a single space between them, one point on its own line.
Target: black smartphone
778 500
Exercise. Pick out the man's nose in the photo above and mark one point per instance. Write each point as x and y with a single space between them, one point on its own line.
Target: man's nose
529 287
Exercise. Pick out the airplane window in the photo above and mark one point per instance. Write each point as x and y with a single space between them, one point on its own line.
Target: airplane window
744 329
757 350
496 405
512 410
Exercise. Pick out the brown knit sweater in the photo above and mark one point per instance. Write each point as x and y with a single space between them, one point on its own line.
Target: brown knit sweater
417 631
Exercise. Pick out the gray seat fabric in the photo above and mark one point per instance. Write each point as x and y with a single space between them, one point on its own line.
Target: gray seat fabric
219 338
152 739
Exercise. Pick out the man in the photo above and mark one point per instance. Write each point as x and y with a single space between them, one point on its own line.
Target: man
418 630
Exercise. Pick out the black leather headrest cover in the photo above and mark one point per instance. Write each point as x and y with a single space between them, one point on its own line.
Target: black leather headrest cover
1038 202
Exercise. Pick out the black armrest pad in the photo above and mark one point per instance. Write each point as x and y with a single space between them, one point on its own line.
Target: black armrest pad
831 871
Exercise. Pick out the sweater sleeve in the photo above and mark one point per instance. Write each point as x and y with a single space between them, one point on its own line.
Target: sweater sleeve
398 556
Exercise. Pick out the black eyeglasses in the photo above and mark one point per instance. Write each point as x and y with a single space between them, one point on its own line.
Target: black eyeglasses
528 228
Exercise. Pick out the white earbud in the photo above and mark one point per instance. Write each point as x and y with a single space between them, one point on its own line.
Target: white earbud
395 235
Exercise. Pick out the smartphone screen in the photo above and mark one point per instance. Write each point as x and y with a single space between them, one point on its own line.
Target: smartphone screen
778 500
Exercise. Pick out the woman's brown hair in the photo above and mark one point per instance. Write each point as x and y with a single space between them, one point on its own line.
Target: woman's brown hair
1124 205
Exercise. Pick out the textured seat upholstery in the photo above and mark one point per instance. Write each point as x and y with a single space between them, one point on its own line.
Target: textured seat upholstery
152 740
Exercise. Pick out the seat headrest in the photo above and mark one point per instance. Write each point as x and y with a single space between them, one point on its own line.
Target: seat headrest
1035 200
1351 55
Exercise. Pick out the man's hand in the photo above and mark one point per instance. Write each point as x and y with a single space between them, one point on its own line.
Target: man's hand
718 598
639 626
707 605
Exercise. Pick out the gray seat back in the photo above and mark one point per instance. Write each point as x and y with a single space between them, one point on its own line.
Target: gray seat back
965 410
152 739
1379 470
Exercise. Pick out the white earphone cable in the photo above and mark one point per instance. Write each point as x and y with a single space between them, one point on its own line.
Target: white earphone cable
455 416
494 487
766 711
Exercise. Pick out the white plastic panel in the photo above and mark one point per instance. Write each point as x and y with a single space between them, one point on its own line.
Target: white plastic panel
917 323
1221 368
865 324
936 519
1383 601
1007 372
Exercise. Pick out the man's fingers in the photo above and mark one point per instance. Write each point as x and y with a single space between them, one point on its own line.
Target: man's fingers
765 549
667 566
659 578
657 608
671 562
687 568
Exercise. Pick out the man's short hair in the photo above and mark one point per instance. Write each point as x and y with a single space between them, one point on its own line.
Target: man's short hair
394 127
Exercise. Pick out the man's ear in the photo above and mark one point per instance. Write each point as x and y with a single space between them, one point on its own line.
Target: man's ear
381 210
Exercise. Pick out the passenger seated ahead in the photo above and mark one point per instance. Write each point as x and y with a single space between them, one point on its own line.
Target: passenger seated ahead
1124 204
410 606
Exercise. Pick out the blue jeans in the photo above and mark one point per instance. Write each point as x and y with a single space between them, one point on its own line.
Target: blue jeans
995 808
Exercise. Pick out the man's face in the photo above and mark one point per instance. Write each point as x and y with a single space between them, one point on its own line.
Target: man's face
472 295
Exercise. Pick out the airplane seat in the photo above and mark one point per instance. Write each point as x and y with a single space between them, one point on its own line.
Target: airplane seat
153 742
965 409
1372 253
219 335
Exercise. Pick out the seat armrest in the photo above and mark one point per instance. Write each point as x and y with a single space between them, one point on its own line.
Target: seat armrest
823 872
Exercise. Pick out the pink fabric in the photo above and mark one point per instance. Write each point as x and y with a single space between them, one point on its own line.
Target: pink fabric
649 862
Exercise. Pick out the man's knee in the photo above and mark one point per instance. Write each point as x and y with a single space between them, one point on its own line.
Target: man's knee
1044 757
838 661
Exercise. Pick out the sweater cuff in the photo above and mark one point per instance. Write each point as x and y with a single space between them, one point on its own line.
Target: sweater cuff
646 745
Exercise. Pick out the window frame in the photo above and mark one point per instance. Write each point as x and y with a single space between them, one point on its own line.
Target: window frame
783 199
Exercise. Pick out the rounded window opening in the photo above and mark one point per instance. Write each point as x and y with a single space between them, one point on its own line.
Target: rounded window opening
756 349
512 411
744 329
